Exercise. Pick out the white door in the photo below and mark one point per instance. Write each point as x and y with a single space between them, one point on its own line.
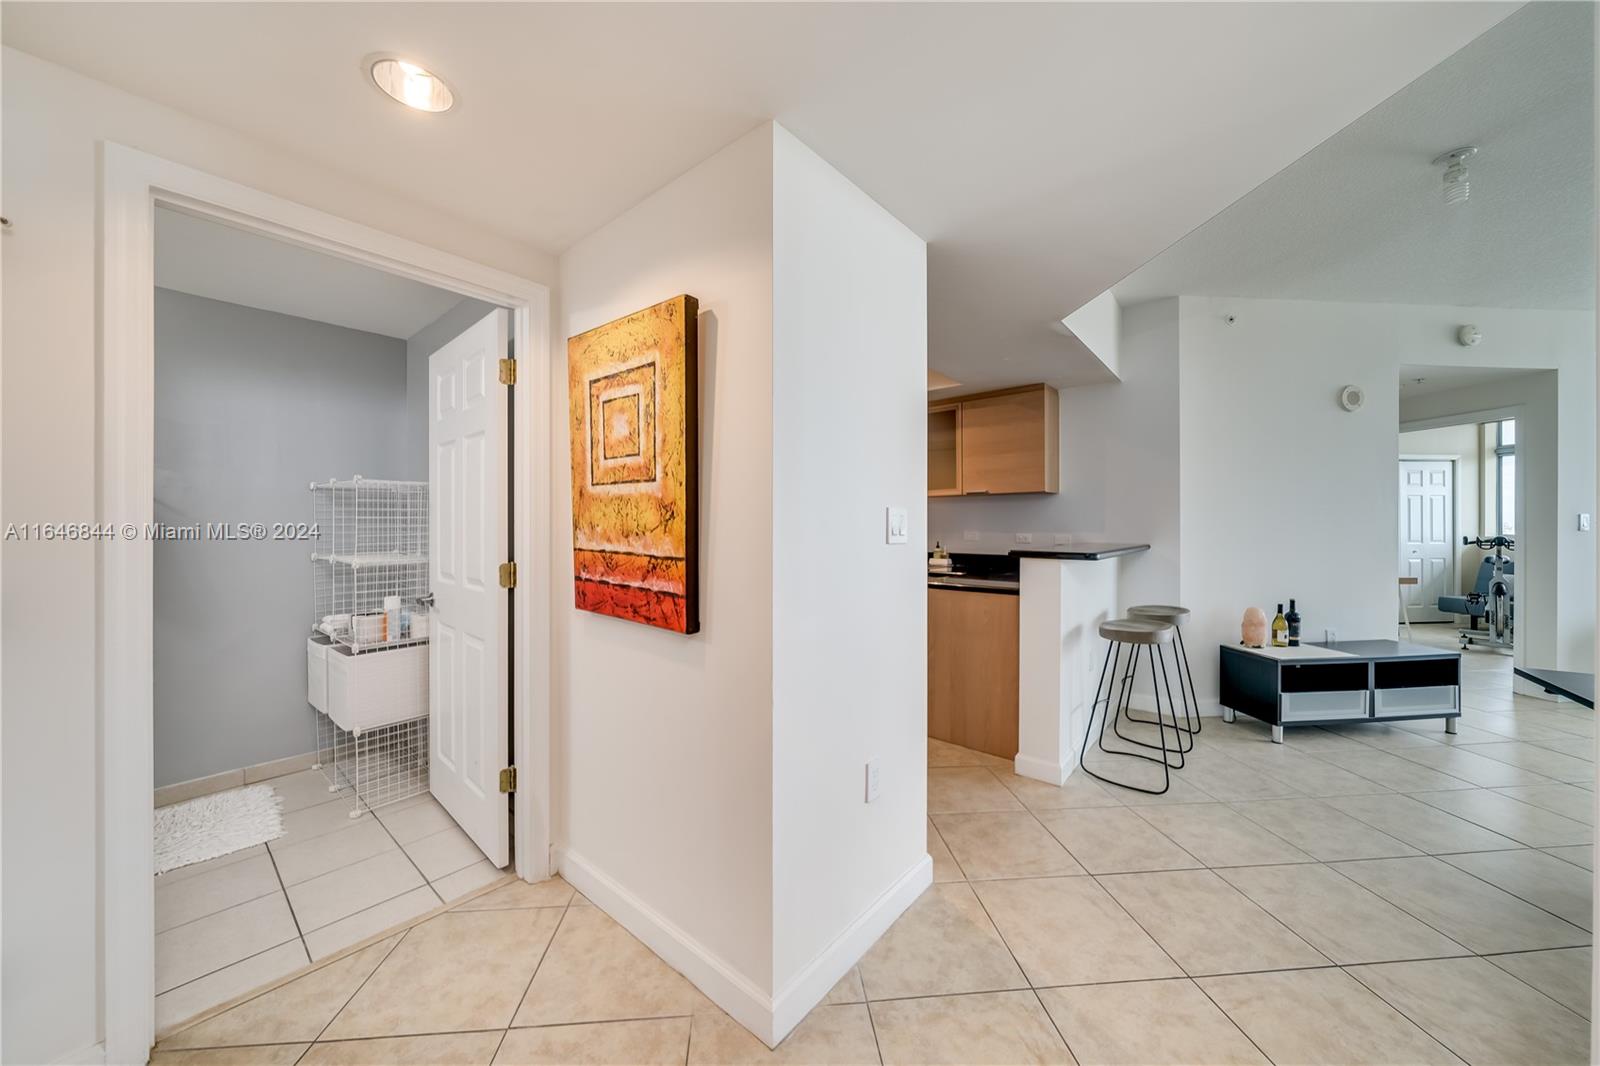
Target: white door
1427 535
469 650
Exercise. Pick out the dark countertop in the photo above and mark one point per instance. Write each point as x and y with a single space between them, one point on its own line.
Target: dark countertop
1083 550
970 583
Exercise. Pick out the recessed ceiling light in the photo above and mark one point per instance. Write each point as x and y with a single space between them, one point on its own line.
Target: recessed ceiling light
410 83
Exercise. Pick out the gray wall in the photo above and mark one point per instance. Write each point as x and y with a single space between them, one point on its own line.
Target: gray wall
423 343
252 406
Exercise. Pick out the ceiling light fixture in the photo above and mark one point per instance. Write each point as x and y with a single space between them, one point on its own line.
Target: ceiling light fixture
1456 186
410 83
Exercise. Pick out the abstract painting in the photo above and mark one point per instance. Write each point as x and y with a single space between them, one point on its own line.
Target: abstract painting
632 397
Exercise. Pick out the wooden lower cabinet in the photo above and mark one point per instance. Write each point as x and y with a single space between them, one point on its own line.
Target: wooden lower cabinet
972 670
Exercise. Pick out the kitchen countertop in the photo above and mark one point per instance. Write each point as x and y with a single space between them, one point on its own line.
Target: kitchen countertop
1005 586
1084 550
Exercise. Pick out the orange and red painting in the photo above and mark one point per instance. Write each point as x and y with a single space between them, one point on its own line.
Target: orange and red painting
632 397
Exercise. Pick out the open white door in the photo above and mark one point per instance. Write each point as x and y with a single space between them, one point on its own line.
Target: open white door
469 646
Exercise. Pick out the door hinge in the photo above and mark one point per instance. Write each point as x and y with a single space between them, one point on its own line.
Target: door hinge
508 575
508 371
508 779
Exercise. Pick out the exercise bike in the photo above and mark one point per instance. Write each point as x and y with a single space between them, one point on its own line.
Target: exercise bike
1495 602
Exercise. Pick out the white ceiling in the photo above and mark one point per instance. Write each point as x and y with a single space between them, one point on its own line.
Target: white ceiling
1445 378
209 259
1361 218
1043 150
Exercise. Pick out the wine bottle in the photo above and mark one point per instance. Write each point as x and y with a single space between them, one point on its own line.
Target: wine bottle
1293 618
1280 630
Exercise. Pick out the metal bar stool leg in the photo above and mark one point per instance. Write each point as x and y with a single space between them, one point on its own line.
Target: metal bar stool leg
1118 692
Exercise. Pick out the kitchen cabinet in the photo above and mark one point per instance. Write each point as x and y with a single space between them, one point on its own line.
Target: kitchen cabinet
972 669
1006 441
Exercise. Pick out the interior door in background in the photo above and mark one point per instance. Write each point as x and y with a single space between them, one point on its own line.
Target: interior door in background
469 648
1427 535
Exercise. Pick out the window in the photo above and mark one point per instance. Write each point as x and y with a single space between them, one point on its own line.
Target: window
1505 452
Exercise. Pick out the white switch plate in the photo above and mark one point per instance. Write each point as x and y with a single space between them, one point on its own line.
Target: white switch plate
897 521
874 779
1024 538
1583 523
971 534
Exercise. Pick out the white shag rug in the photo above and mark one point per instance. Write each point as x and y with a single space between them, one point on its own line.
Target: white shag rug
207 827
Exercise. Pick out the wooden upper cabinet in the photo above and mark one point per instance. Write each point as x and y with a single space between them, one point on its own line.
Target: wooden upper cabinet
944 449
1008 441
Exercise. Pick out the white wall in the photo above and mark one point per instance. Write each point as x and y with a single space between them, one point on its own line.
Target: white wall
1285 494
664 742
849 422
53 120
1462 443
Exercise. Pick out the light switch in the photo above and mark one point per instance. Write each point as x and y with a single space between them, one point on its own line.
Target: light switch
897 521
1583 523
874 779
1024 538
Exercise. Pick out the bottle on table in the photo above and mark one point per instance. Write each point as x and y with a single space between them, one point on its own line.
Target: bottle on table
1293 618
1280 630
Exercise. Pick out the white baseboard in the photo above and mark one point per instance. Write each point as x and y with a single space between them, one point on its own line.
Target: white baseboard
93 1055
205 786
1051 773
768 1018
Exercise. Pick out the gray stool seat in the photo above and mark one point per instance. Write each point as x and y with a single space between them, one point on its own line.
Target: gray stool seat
1137 631
1162 611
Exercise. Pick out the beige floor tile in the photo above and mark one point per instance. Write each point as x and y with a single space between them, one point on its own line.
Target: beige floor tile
1565 890
1471 767
1472 913
994 1027
438 1049
596 971
838 1034
1337 916
945 867
331 851
1229 779
1147 1023
272 1055
444 852
337 936
1207 925
968 788
1579 855
1564 974
1146 775
454 972
200 995
1480 1012
308 823
942 945
1321 831
453 886
297 1011
1002 844
1540 760
1394 772
847 989
302 789
215 890
1079 790
195 949
197 868
1311 776
412 821
1115 840
522 894
1413 822
1068 930
645 1042
942 753
340 893
1218 836
1569 801
1322 1016
1383 736
1522 822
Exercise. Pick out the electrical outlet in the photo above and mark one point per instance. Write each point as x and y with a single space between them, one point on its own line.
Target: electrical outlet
971 535
1024 538
874 779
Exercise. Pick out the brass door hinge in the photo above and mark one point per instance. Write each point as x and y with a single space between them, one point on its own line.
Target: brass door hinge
508 371
508 575
508 779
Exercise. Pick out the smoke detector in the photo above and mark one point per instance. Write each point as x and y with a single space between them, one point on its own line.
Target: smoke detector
1456 186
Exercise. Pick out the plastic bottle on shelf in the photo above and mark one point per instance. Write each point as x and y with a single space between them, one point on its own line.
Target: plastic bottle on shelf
391 619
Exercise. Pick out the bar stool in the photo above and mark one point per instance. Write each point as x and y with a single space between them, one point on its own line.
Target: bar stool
1178 616
1134 634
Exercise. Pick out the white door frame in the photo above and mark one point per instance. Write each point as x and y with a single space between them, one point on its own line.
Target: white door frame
132 184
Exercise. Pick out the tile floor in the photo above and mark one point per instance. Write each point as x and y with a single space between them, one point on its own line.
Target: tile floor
232 924
1280 905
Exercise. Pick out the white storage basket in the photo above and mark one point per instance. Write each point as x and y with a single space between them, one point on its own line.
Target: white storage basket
366 691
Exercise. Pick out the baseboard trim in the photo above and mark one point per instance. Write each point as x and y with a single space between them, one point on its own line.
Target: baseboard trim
179 791
769 1019
93 1055
1051 773
812 984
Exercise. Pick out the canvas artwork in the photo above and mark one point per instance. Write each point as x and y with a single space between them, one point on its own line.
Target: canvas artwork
632 398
